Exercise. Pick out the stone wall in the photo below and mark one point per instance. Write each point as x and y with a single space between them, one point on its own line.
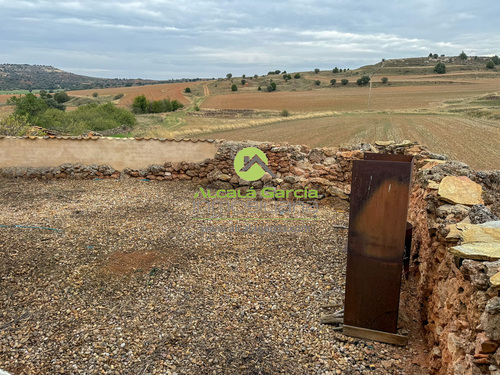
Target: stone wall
453 209
456 252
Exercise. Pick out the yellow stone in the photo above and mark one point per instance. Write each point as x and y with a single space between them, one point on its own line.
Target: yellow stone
460 190
487 232
489 251
433 185
495 280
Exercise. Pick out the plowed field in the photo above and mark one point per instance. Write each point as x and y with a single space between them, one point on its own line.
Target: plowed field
473 141
172 91
353 98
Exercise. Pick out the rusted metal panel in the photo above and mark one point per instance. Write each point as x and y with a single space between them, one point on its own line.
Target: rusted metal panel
388 157
380 195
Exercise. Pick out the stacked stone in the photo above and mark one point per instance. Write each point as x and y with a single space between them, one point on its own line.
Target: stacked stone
458 265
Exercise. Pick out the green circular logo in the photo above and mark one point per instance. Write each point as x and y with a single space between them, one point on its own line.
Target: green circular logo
251 164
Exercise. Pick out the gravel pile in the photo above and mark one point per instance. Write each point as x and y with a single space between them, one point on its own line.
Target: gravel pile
115 277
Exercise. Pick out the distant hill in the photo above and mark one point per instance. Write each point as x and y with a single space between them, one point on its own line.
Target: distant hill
425 65
33 77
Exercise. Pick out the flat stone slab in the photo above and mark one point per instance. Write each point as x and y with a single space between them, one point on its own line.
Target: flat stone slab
489 251
486 232
460 190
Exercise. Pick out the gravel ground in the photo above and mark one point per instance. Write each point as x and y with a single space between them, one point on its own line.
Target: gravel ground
130 284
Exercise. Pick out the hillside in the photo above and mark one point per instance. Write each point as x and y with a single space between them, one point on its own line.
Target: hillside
32 77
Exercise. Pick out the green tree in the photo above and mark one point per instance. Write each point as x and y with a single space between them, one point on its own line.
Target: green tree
333 81
435 56
344 81
316 70
440 68
273 85
61 97
259 88
335 70
463 56
95 94
243 82
234 88
317 83
363 81
269 88
496 60
385 80
187 90
140 104
277 71
229 75
490 65
296 76
29 106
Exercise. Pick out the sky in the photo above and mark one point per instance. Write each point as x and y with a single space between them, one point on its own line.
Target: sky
163 39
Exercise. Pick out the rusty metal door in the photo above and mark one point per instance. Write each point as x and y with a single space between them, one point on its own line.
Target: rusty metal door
380 195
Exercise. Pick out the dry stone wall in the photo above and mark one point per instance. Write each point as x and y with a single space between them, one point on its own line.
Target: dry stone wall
454 211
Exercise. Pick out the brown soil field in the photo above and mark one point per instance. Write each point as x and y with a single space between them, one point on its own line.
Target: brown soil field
352 98
173 91
473 141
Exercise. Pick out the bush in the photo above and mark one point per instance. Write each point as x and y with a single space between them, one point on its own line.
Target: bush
117 96
490 65
333 82
100 117
344 81
52 103
363 80
187 90
335 70
463 56
234 87
385 80
316 70
62 97
285 113
15 125
269 88
243 82
140 104
95 94
29 106
440 68
273 85
317 83
259 89
296 76
496 60
196 107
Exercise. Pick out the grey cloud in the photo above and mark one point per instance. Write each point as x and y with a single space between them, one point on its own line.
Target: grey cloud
171 39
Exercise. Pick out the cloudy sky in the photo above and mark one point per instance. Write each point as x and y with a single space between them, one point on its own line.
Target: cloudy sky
162 39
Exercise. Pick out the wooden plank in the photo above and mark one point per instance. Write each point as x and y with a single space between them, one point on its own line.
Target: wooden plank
370 334
331 319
